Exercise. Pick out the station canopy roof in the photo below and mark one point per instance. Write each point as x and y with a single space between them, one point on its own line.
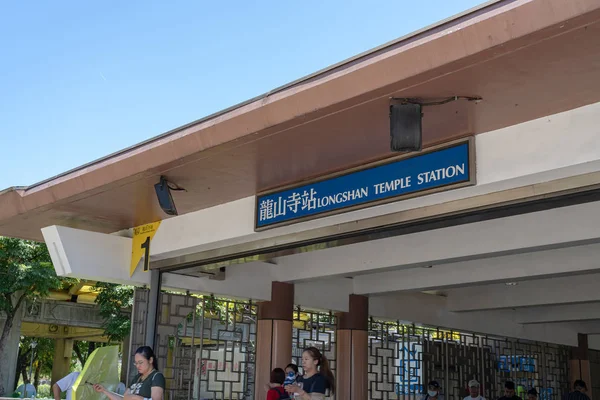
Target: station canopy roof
525 58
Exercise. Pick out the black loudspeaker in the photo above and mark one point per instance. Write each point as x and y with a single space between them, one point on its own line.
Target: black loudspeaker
405 127
163 192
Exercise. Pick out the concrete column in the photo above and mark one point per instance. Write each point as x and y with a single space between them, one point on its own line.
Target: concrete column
61 366
353 351
8 360
274 334
579 365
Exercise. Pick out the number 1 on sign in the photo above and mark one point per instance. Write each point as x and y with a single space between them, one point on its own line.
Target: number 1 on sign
146 247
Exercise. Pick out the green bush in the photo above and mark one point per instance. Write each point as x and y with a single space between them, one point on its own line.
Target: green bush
44 391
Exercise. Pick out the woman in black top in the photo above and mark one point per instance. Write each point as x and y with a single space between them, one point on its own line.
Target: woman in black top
318 378
149 384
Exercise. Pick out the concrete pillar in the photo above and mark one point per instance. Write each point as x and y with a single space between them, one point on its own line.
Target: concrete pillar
579 365
353 351
274 334
8 360
63 350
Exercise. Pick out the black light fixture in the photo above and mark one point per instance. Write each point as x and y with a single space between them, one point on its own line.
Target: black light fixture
165 199
405 127
406 115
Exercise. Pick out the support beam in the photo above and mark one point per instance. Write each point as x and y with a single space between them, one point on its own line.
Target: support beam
154 298
432 310
556 228
324 294
51 331
253 281
73 290
526 266
554 314
542 292
585 327
65 313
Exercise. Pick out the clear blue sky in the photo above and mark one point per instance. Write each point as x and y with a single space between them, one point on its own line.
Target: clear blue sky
82 79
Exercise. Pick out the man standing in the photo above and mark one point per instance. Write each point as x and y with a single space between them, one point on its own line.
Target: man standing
509 392
474 391
65 385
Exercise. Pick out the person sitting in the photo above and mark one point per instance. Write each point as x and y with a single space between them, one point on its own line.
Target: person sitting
277 391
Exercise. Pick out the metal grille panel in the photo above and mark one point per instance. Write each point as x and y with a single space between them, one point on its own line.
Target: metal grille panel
219 340
206 347
403 358
313 328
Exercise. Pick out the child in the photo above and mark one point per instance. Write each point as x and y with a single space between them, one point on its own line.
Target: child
277 392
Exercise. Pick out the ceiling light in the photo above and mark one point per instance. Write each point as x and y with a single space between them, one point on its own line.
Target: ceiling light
163 193
511 283
406 117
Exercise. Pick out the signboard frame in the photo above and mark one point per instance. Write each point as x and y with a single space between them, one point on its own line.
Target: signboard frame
472 180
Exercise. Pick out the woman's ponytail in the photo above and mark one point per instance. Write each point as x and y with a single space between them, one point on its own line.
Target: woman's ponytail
324 369
327 373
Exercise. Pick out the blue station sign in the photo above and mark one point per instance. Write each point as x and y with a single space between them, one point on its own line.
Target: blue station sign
406 176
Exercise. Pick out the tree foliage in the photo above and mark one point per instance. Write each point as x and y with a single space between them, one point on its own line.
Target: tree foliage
26 274
82 349
223 309
43 357
112 299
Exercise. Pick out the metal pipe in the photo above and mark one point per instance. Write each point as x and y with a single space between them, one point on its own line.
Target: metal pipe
155 285
33 345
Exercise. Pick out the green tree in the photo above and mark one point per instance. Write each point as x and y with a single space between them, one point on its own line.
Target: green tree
113 299
26 273
83 350
42 359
